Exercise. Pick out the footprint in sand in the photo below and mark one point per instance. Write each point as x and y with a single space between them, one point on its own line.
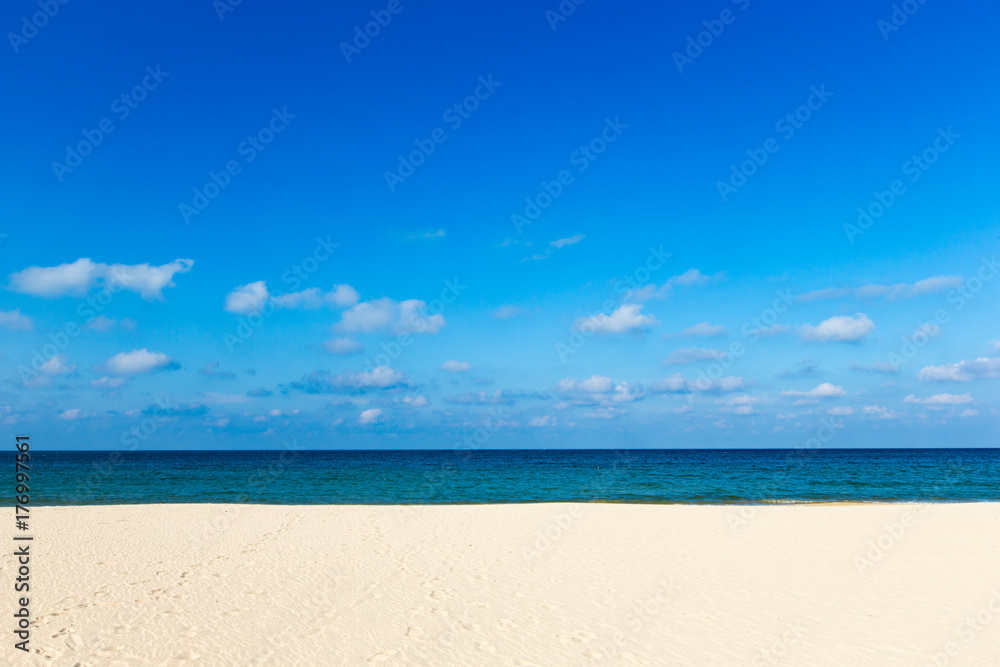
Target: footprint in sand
381 657
508 624
441 595
486 647
580 636
414 632
74 642
65 631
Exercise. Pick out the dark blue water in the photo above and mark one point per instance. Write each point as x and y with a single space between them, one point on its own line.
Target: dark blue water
385 477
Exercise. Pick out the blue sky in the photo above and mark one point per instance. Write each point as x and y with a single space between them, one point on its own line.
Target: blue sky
727 224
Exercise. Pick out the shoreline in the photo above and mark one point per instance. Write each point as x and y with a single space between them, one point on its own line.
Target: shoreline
651 503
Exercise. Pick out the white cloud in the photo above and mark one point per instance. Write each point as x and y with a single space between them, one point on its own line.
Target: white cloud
308 299
701 330
455 366
606 413
841 411
385 314
72 414
825 390
81 276
690 278
247 299
412 318
897 291
432 234
571 240
627 393
251 298
627 318
880 411
688 355
839 328
676 384
343 346
545 420
380 377
506 312
342 296
963 371
57 365
102 323
416 401
940 399
138 361
555 245
673 384
693 277
595 384
322 382
107 383
648 292
369 316
741 404
15 321
969 413
372 416
995 344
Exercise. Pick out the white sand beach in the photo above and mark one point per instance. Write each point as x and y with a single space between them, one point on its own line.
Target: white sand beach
547 584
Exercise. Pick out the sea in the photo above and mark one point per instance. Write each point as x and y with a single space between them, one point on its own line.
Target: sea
730 476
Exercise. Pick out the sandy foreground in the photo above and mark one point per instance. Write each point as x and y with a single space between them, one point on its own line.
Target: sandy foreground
546 584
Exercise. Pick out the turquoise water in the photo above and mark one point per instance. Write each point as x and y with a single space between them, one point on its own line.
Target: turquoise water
389 477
